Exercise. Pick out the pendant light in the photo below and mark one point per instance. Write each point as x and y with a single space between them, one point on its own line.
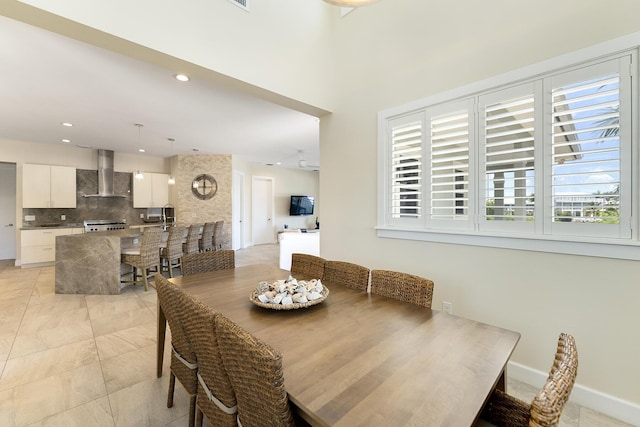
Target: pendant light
172 179
139 175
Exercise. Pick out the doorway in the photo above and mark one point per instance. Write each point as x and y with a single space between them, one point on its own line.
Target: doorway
8 225
237 229
262 208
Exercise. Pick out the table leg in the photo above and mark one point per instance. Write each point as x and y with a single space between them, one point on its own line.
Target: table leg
502 383
162 327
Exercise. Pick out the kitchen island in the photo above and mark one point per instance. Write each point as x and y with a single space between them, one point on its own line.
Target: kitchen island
89 263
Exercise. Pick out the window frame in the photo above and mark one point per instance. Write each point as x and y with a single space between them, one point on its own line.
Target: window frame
609 247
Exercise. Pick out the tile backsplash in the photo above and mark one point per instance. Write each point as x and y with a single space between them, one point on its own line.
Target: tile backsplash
88 208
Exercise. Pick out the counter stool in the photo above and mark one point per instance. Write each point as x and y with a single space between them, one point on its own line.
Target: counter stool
145 257
191 245
173 249
206 241
217 235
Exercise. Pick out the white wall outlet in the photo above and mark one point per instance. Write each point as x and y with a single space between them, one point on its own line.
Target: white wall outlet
142 216
136 241
63 217
447 307
29 217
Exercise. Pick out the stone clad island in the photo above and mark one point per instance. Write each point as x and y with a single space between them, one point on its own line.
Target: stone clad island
89 263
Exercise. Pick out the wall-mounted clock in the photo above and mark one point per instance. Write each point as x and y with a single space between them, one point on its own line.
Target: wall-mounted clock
204 186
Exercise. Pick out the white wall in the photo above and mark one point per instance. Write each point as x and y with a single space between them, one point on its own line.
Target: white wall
394 52
280 45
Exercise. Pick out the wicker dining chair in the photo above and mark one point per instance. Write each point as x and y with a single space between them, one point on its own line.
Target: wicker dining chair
347 274
145 257
402 286
206 240
193 235
255 371
217 235
307 266
208 261
215 397
546 408
184 364
173 249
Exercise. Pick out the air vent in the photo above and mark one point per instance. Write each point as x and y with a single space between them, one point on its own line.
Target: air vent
241 3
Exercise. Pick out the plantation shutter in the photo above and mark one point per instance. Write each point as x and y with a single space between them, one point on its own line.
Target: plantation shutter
508 159
406 168
587 165
449 165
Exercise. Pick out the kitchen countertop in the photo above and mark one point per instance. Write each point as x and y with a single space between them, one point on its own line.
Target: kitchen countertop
65 225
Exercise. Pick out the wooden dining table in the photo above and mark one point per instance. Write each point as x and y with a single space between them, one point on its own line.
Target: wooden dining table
358 359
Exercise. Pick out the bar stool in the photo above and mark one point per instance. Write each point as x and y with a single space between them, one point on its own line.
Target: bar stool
206 241
173 249
145 257
217 235
191 245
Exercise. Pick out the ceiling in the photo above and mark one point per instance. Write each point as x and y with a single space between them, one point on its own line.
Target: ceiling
48 79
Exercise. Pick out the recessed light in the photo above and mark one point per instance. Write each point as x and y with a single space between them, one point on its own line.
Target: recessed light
66 140
182 77
141 150
195 149
67 124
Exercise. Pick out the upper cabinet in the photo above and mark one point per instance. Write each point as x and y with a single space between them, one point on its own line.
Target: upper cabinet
46 186
152 191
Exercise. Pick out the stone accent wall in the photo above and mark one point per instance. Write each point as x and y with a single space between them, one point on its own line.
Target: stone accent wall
190 209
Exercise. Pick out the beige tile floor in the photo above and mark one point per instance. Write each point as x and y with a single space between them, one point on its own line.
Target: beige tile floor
89 360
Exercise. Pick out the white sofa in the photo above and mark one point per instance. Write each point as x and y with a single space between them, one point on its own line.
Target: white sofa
294 241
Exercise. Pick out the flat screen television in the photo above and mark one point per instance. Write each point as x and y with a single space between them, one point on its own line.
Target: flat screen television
301 205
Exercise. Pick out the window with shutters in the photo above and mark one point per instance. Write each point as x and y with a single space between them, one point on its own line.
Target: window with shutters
549 158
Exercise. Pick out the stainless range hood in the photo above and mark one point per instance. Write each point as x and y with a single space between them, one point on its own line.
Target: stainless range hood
105 175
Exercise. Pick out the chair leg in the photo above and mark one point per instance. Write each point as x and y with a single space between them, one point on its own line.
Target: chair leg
144 278
192 410
172 386
170 268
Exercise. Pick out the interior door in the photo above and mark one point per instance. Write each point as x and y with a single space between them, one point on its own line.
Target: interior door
8 211
262 208
237 229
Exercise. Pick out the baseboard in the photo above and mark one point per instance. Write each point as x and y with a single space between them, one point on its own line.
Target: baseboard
609 405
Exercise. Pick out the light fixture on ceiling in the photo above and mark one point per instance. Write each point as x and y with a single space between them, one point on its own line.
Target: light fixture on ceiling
172 179
182 77
139 174
350 3
67 124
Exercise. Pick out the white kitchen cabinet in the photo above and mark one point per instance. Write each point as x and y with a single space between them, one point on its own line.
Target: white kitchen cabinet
39 246
152 191
48 186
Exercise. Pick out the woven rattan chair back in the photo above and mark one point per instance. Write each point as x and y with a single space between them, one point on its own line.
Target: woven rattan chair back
216 398
346 274
255 371
192 244
148 256
545 410
208 261
173 250
307 266
217 235
548 404
402 286
183 357
206 240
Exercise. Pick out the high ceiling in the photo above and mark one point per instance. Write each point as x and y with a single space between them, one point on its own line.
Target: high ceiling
47 79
